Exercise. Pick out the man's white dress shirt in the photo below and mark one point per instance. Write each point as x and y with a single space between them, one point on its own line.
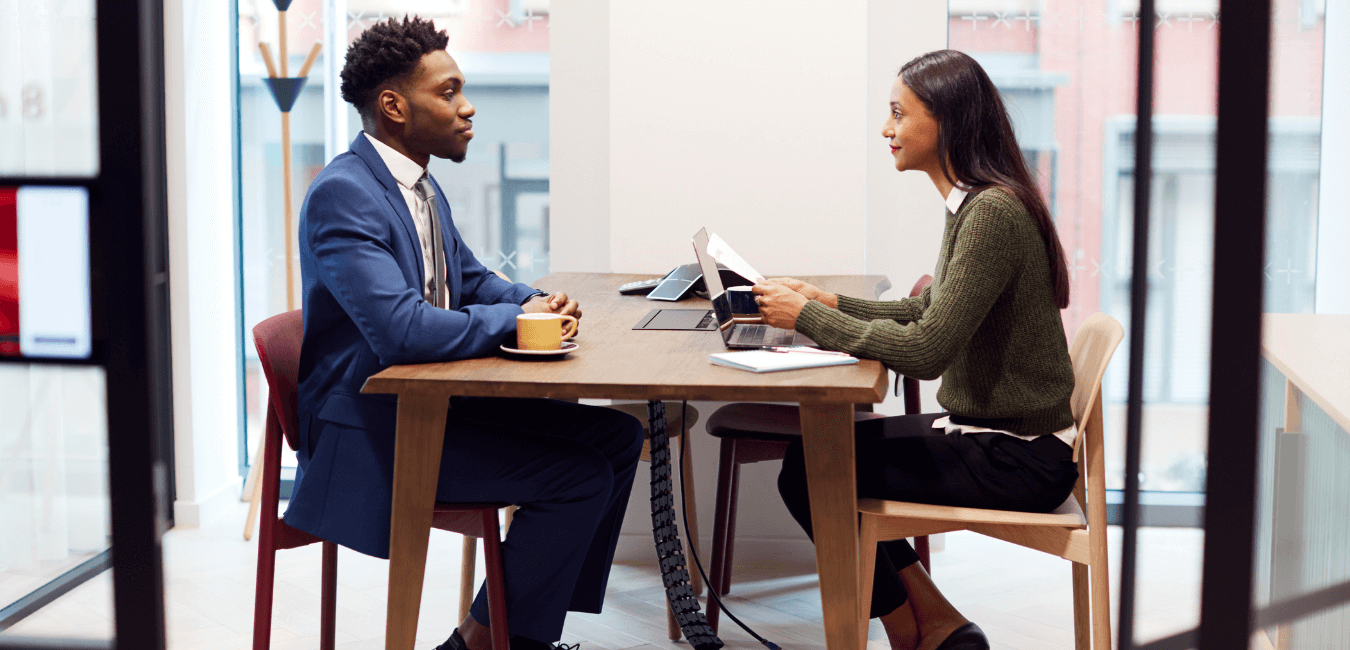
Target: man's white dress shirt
407 173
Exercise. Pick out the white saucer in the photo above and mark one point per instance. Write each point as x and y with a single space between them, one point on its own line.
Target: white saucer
567 346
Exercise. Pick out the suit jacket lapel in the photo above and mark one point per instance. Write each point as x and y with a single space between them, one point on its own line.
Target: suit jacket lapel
366 151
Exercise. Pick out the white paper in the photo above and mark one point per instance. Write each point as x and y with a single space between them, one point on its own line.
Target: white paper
765 361
720 251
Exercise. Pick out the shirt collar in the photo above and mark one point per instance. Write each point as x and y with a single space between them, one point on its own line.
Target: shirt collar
404 170
955 198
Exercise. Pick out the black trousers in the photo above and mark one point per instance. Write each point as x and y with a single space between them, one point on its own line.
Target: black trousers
570 469
905 459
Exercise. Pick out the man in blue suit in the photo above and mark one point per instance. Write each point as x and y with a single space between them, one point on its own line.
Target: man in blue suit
387 280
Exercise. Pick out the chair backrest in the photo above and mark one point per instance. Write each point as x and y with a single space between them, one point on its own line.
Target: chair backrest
1091 351
912 403
919 286
278 342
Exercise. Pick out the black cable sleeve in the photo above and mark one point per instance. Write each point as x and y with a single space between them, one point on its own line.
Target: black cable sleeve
674 573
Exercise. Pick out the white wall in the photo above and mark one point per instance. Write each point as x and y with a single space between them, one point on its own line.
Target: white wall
760 120
578 119
203 300
1333 220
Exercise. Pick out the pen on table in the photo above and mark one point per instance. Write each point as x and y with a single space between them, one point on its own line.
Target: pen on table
795 348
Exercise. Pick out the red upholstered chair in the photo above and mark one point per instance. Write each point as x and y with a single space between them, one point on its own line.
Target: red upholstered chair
278 342
752 433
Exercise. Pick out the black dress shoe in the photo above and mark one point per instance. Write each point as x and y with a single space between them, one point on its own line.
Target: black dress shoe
455 642
966 637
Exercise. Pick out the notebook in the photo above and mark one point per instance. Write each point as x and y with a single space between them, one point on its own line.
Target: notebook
770 361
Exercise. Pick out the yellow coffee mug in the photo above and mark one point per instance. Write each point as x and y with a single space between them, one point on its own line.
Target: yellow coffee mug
542 331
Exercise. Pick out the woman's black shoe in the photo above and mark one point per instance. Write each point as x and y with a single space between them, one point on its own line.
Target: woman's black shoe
966 637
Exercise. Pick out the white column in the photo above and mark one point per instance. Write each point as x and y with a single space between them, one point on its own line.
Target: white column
1333 218
203 297
334 57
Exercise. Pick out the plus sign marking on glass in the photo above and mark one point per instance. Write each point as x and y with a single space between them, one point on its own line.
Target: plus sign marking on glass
1190 19
975 20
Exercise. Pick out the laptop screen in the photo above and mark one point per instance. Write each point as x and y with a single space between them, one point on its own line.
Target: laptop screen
713 279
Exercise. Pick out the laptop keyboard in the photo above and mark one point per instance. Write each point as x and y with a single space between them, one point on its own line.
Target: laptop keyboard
764 335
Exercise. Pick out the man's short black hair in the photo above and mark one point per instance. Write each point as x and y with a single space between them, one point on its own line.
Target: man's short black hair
386 52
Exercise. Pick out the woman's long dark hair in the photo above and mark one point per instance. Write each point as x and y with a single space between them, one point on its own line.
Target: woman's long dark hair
976 146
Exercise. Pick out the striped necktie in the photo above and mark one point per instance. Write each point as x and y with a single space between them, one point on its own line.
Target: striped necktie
426 192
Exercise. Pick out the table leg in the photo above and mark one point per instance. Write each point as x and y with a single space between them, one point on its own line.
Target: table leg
831 479
417 464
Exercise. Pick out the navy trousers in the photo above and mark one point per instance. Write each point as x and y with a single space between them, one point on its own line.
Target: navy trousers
569 468
904 458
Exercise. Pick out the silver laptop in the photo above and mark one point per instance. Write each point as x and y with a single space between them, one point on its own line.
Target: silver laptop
737 335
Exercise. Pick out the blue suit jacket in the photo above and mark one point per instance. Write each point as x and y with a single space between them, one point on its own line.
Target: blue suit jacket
361 264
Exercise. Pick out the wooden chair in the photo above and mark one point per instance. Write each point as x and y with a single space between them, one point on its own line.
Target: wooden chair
674 426
752 433
278 342
1064 532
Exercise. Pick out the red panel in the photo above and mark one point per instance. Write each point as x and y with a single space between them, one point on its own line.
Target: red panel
9 272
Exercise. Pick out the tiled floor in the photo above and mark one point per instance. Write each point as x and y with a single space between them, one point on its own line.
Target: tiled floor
1021 598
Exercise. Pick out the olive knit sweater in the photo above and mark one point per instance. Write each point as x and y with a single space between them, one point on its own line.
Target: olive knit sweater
988 324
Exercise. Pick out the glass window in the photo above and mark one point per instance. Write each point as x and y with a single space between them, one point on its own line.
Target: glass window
1067 72
48 89
498 196
54 506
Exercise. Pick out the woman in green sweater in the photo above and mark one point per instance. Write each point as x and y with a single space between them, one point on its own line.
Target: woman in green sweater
989 326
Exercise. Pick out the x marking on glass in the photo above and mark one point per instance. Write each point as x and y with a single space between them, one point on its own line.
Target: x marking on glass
507 259
356 20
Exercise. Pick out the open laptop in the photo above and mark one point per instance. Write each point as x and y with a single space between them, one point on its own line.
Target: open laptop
738 336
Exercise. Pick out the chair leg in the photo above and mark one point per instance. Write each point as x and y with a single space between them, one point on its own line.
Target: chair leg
729 553
253 490
687 485
328 600
469 556
867 555
496 581
262 597
726 465
1082 612
1101 605
672 627
267 485
921 549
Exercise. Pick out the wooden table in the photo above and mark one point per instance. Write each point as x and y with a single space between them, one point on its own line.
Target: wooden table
615 362
1312 351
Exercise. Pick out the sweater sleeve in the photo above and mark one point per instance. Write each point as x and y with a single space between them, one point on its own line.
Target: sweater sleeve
901 311
981 265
